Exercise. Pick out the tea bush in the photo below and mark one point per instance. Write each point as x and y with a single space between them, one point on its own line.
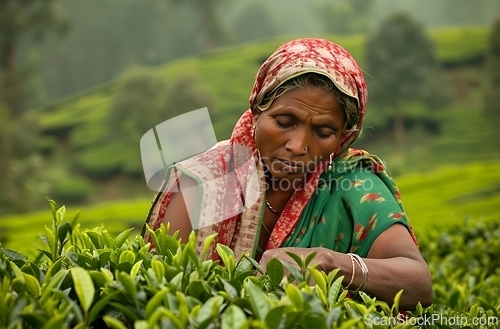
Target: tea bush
89 279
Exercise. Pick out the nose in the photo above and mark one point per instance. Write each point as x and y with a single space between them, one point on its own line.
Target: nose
298 142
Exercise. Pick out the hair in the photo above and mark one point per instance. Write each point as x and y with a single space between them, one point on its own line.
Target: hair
319 81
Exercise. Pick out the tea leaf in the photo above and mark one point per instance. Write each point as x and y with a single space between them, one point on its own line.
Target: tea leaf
275 271
298 259
60 214
231 291
127 312
162 311
319 279
62 231
206 245
18 273
333 293
135 269
395 306
159 269
98 306
84 287
32 285
154 302
51 242
313 321
293 271
56 322
127 257
258 300
113 323
309 258
121 238
276 316
94 238
295 297
128 284
210 309
227 256
13 255
234 318
107 238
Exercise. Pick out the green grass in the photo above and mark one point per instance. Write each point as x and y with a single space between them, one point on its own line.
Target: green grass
438 198
23 230
449 194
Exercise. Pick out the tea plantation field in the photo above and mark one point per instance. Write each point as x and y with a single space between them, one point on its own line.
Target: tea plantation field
438 198
88 279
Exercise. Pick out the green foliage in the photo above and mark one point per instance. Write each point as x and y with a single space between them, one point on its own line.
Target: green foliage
458 46
345 17
186 94
402 60
465 267
245 26
492 97
26 19
137 106
400 57
88 278
72 189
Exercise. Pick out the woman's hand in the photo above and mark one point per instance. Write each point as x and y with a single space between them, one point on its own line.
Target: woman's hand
324 259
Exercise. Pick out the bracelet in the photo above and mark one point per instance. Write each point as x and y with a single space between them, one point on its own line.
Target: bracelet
353 271
364 269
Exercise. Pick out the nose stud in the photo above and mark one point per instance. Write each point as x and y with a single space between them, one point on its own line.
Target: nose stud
305 148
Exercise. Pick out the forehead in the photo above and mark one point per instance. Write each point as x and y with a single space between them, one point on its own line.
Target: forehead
314 100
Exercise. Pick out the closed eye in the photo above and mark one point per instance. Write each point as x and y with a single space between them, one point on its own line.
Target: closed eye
324 132
284 123
323 135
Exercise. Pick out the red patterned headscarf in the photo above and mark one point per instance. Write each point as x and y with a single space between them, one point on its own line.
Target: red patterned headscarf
312 55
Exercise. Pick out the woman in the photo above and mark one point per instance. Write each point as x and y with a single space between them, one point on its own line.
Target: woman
288 181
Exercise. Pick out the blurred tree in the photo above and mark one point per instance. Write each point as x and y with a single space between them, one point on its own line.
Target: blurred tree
19 19
143 101
254 22
211 24
137 106
492 97
345 16
401 59
4 148
186 94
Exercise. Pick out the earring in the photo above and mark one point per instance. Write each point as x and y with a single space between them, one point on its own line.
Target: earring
330 164
253 132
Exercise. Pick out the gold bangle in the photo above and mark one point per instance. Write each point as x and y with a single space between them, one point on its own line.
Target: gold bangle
353 271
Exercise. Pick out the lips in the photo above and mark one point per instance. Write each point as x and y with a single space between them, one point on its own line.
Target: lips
290 166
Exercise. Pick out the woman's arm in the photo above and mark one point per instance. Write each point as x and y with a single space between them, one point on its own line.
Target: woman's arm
393 262
180 207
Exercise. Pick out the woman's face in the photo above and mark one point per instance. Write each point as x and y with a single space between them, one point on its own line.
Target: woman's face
300 129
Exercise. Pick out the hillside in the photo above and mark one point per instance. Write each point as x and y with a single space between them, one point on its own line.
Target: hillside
81 165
